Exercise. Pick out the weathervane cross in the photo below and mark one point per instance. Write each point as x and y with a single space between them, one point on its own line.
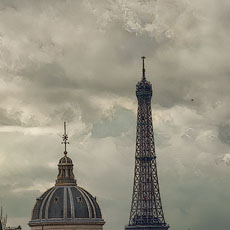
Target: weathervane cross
65 138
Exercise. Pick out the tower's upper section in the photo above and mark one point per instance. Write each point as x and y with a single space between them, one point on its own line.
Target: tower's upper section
65 166
143 87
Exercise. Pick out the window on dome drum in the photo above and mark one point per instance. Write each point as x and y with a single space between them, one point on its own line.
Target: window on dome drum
56 199
79 199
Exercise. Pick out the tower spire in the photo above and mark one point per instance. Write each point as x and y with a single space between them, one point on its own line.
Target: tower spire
143 68
65 138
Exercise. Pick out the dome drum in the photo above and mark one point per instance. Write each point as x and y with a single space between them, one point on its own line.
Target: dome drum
65 174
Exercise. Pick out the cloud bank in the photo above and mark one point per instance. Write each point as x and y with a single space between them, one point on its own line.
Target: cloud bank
79 61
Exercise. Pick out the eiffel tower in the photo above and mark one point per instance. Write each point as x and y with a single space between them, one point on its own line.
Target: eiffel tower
146 208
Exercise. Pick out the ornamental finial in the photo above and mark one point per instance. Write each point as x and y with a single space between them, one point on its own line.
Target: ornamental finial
65 138
143 68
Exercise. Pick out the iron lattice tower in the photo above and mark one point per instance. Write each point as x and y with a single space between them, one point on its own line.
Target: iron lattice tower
146 209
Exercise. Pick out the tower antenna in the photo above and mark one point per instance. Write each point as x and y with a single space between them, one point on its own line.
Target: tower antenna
65 138
143 68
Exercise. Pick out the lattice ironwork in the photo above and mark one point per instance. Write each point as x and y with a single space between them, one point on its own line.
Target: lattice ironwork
146 209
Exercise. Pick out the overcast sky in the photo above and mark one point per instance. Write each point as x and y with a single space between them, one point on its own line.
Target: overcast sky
79 61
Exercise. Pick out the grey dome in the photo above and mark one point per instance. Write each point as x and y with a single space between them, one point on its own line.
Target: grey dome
65 204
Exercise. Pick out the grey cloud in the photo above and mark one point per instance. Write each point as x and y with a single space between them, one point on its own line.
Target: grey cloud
50 75
123 122
224 133
8 118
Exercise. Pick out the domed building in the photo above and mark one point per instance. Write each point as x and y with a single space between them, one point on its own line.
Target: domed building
66 205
